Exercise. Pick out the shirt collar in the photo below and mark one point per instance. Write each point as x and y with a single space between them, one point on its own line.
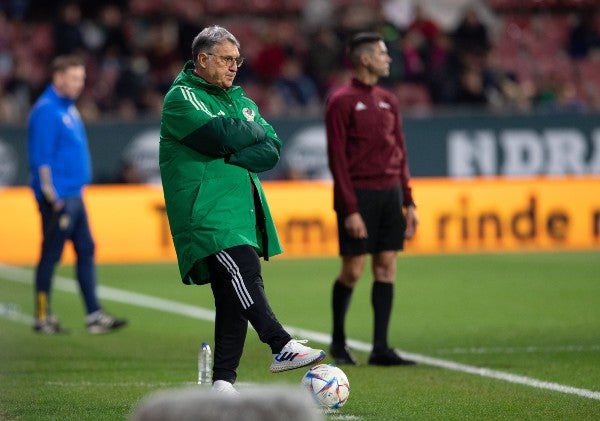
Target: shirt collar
360 85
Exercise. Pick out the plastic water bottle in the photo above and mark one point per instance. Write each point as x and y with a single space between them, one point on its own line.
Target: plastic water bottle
205 364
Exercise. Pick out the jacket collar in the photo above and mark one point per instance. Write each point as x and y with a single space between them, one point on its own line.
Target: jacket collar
57 97
187 77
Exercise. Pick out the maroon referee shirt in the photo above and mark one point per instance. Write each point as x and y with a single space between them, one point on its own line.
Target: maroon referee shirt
365 143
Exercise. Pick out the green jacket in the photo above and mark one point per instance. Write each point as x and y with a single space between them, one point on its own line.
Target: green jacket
212 144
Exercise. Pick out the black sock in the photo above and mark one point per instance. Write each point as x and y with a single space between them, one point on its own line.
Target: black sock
340 302
382 295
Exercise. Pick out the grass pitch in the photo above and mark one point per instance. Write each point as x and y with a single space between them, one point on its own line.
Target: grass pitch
531 315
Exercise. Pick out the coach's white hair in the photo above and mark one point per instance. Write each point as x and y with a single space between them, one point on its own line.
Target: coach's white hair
256 403
209 37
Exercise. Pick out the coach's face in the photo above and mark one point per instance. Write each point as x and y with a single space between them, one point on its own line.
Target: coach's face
219 66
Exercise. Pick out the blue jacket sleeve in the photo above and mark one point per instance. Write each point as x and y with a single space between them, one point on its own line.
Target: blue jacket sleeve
42 134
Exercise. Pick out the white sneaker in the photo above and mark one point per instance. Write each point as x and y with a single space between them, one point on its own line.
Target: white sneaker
224 387
295 355
99 322
48 326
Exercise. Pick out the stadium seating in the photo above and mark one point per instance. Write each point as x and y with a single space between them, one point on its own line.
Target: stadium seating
529 40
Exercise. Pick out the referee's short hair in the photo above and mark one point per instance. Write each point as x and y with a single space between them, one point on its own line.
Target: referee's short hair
362 42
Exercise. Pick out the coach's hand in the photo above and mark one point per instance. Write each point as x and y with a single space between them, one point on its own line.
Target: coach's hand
355 226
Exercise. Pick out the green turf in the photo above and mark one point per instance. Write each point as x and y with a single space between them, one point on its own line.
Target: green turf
535 315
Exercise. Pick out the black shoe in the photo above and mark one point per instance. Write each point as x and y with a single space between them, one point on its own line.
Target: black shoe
388 357
341 354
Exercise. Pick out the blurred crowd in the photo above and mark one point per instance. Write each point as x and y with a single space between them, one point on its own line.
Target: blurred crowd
502 59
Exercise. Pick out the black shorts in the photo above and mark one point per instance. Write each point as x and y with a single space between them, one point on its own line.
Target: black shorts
382 212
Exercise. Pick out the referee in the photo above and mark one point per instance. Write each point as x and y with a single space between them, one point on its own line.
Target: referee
372 194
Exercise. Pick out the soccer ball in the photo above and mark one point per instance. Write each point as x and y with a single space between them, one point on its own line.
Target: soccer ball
328 385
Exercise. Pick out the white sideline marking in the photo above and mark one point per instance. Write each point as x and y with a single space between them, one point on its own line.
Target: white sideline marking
141 300
13 312
118 295
520 350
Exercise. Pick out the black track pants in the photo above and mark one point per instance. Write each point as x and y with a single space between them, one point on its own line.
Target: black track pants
240 298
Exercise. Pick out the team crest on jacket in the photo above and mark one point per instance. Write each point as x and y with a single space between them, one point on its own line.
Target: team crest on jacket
67 121
248 113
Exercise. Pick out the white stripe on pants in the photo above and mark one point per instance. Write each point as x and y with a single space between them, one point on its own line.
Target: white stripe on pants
236 278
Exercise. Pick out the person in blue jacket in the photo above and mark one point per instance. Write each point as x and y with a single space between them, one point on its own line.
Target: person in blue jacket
60 166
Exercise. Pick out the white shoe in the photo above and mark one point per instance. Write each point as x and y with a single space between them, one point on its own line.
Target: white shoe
224 387
100 322
295 355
